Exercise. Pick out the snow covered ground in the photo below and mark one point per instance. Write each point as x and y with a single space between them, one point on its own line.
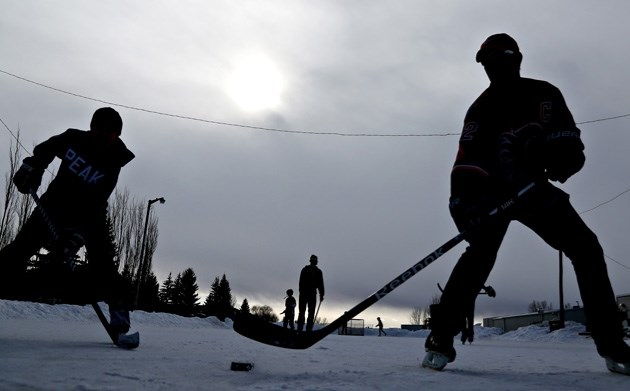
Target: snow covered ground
64 347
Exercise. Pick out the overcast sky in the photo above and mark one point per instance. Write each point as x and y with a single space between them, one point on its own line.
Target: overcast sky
255 204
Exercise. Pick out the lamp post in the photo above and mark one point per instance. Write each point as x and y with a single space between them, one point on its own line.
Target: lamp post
141 263
562 315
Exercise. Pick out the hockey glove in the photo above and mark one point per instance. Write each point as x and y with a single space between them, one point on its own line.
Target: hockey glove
521 155
565 154
468 214
73 244
490 291
27 178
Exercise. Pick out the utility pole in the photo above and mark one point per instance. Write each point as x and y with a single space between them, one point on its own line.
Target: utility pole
142 262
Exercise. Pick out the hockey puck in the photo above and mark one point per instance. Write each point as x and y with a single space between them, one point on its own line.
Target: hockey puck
241 366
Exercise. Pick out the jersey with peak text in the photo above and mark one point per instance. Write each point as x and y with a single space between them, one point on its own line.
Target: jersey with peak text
88 172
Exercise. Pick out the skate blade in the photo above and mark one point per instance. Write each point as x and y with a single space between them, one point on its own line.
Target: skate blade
613 366
434 360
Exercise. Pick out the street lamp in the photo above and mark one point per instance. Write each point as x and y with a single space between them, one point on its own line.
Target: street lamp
141 264
562 315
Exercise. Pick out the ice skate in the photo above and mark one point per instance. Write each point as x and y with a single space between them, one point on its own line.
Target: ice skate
440 351
616 355
618 367
434 360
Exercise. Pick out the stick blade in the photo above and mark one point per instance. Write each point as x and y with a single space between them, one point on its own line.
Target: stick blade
259 330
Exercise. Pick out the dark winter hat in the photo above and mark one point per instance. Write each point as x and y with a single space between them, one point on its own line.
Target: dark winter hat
497 47
107 118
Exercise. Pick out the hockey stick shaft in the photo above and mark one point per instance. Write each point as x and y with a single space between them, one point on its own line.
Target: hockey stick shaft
317 312
47 219
398 281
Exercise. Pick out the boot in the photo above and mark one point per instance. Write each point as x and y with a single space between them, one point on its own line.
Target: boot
467 335
616 353
439 343
119 320
442 345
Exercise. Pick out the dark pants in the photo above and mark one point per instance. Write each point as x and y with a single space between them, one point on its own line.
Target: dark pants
104 281
548 212
288 320
306 300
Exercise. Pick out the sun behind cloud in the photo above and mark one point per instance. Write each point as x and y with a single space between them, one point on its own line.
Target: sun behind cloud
256 83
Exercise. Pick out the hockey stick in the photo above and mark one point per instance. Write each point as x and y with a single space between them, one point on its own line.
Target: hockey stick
126 341
317 312
268 333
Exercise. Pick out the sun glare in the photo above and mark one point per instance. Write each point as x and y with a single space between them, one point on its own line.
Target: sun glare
256 84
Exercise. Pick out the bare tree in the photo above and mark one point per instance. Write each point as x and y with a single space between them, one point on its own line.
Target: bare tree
128 218
123 226
264 312
320 320
536 306
150 245
416 315
25 205
8 228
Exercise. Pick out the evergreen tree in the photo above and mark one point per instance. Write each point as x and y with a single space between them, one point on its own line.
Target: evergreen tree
149 299
167 293
186 296
245 307
210 307
220 302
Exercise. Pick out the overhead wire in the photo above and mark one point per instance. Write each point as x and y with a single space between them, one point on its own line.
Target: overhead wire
306 132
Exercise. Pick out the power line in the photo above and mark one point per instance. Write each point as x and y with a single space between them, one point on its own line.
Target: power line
604 119
16 138
617 262
606 202
602 204
316 133
305 132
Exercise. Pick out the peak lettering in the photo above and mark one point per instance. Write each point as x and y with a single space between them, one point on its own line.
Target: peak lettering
79 166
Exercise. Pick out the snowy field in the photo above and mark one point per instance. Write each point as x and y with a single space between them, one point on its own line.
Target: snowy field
64 347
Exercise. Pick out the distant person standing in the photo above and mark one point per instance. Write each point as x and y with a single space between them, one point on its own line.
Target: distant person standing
311 281
380 327
289 310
